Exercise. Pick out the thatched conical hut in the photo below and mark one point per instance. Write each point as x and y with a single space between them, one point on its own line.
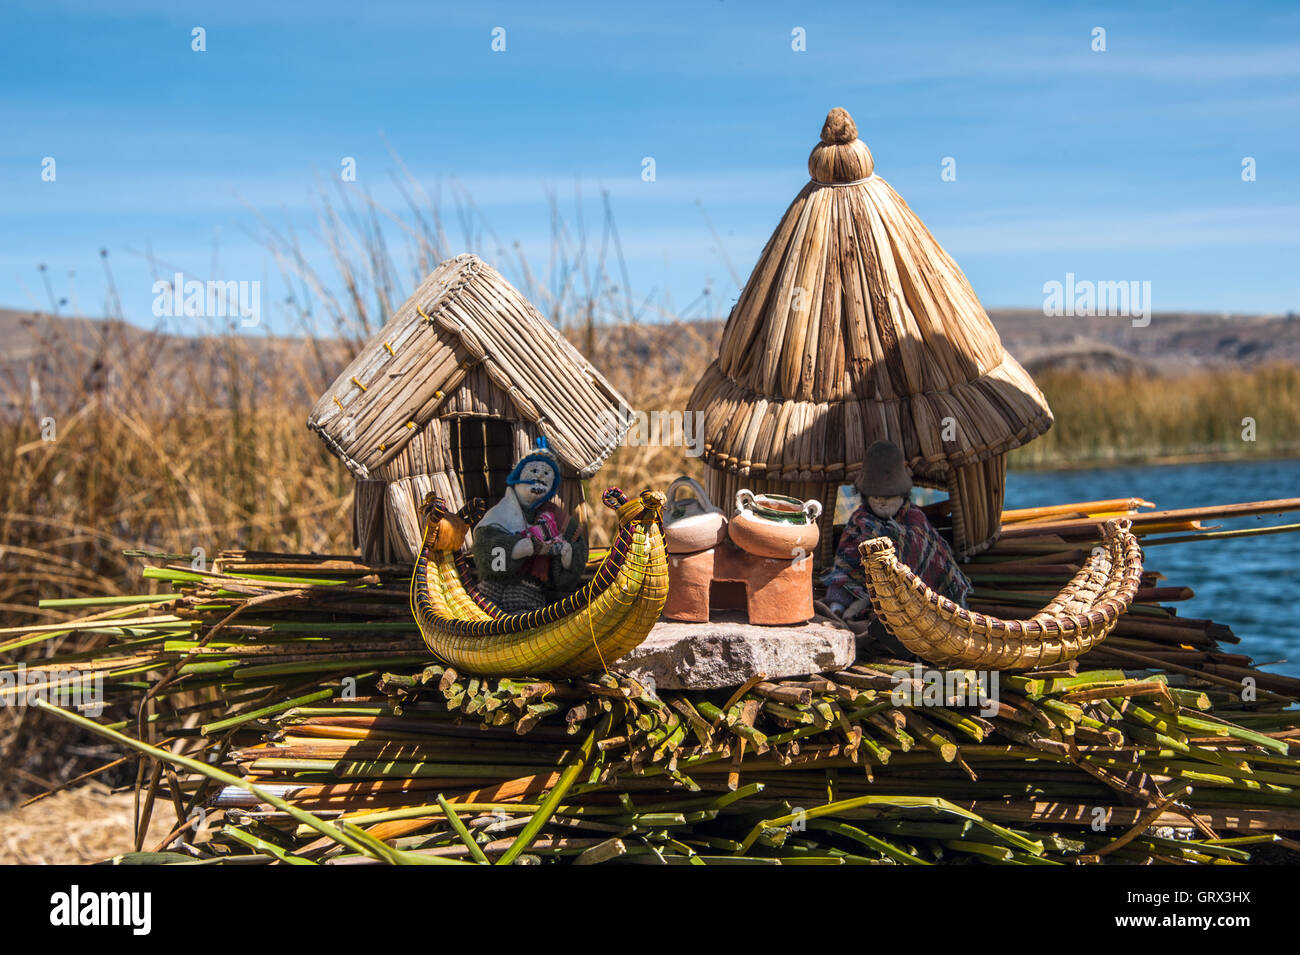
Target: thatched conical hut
856 326
461 381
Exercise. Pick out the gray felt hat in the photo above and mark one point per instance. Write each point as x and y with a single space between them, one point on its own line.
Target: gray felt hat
884 472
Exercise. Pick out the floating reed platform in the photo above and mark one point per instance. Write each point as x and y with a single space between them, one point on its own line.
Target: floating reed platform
290 699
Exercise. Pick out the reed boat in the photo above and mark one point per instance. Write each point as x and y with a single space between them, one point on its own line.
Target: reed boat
945 634
586 631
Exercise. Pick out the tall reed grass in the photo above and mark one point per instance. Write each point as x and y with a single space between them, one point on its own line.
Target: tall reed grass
189 454
1109 419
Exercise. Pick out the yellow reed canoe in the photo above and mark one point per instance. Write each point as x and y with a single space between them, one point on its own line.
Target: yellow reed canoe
586 631
940 632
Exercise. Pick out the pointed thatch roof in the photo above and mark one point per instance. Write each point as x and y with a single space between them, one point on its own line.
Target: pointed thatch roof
855 326
463 316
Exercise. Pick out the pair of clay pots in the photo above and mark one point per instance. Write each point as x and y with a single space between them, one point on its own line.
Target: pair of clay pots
767 525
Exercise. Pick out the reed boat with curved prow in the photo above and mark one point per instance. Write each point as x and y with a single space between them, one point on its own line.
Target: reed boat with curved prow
585 631
945 634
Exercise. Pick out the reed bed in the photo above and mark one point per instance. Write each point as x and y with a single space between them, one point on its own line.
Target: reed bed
1110 419
284 707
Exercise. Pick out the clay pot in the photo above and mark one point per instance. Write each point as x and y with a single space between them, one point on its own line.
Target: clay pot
773 525
692 523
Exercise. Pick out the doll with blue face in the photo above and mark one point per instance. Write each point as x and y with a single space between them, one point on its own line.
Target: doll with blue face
528 550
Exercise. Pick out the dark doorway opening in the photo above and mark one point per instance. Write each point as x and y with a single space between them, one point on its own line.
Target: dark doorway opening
482 452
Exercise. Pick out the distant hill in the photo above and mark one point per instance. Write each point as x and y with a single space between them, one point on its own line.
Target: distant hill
1173 342
45 359
40 355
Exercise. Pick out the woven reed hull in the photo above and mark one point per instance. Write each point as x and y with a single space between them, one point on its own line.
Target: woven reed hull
942 633
615 621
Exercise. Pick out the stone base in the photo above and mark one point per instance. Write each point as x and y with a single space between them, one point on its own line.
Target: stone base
727 651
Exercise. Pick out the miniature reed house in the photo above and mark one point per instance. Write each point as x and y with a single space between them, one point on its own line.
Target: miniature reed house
856 326
461 382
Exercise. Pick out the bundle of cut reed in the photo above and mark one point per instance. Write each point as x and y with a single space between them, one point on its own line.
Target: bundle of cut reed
1073 621
290 699
873 763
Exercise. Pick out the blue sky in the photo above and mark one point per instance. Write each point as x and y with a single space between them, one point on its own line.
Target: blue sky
1116 165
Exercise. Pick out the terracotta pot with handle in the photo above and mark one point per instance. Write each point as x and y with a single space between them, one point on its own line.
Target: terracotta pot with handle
773 525
692 523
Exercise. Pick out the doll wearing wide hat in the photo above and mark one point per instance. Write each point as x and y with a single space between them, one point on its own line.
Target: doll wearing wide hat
885 484
528 551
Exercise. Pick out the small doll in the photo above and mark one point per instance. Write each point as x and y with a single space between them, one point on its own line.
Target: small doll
885 484
527 549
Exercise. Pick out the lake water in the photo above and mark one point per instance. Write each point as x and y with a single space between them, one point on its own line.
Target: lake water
1252 584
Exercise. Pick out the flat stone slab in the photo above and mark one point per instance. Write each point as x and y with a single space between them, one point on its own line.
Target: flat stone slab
728 651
